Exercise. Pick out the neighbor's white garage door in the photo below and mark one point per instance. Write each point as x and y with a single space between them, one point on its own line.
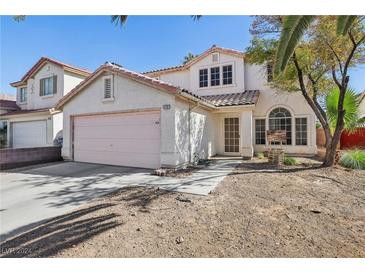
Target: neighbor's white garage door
29 134
128 139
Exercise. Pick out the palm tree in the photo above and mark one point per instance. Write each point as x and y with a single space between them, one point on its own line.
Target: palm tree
351 105
189 57
119 20
294 27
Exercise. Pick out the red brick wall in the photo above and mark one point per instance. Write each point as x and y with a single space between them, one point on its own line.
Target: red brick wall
17 157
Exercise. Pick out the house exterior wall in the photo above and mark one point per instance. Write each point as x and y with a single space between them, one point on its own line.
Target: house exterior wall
177 78
54 124
362 108
70 81
128 95
189 79
197 123
65 82
298 107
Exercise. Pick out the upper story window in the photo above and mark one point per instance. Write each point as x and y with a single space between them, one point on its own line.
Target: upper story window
203 78
269 73
48 86
22 95
227 75
108 87
214 76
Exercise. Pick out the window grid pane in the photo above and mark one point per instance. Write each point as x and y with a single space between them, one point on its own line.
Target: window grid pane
214 76
203 78
280 119
301 138
227 75
260 132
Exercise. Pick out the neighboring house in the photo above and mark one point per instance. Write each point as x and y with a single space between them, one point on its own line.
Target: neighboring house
36 123
216 103
5 107
8 106
362 104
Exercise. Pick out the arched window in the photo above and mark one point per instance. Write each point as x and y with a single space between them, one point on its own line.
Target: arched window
280 119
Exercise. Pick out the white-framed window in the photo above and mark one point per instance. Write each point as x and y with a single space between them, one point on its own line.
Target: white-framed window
48 86
215 57
108 87
280 119
215 76
260 131
301 131
227 75
23 95
203 78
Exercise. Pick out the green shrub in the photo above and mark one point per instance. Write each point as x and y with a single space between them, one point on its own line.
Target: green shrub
260 155
354 159
290 161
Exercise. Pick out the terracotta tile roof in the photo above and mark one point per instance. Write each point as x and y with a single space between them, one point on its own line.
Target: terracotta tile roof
213 49
248 97
25 111
112 67
8 104
42 61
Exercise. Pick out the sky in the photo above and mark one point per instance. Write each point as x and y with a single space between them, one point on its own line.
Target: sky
144 43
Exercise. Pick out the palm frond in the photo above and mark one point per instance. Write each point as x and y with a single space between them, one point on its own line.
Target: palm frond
19 18
196 17
344 22
294 27
351 106
119 19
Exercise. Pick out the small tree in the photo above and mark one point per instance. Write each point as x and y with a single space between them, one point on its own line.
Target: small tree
319 63
189 57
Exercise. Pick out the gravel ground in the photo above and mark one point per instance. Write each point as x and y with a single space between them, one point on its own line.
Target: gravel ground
256 211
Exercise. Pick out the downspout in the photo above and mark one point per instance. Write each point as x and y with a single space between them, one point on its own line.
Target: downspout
189 127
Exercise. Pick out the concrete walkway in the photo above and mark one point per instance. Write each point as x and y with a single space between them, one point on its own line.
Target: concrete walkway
32 195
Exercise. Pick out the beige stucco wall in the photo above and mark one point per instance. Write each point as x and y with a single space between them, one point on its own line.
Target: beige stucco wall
128 95
65 82
362 108
202 133
298 107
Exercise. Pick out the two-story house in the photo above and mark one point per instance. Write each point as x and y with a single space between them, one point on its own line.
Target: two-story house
216 103
36 123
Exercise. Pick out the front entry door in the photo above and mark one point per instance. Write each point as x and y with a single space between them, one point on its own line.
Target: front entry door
231 135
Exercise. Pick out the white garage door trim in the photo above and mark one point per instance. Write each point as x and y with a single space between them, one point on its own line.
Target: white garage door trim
126 138
27 134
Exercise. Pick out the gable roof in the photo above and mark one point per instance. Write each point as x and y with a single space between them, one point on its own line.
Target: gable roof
114 68
41 62
201 56
243 98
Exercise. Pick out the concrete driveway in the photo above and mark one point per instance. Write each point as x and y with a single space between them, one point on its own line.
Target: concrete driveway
32 195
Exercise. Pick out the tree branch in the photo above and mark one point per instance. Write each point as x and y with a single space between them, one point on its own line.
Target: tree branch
335 54
310 101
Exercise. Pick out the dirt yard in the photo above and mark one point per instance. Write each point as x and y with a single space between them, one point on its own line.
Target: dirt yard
256 212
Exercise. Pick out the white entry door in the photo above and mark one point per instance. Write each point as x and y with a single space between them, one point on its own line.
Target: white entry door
126 139
29 134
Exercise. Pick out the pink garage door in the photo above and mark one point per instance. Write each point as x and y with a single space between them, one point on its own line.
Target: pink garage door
128 139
